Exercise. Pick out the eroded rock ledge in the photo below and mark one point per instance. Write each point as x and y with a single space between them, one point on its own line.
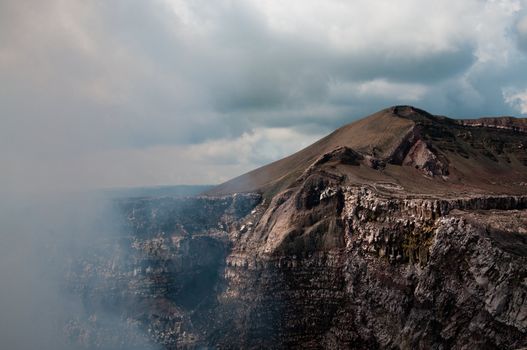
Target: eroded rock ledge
507 123
406 273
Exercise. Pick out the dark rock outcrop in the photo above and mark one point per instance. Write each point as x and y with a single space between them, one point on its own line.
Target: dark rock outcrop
423 158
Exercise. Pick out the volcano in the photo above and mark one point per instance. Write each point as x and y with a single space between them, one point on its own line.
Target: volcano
411 148
403 230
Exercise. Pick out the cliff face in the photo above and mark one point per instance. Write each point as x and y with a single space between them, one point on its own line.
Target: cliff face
417 239
376 271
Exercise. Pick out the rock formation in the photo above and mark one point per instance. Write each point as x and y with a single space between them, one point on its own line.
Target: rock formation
402 230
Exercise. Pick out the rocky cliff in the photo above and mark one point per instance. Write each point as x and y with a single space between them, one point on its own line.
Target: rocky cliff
403 230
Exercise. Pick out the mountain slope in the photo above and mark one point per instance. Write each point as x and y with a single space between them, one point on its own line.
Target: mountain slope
483 155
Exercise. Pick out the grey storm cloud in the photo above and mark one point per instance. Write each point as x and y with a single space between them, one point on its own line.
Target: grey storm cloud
521 32
85 81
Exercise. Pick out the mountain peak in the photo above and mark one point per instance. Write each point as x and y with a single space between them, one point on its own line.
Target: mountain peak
410 148
410 112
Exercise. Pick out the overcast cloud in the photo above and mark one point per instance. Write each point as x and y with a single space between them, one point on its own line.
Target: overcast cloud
101 93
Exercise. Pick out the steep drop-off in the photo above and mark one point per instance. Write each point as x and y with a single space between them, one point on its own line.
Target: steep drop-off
401 230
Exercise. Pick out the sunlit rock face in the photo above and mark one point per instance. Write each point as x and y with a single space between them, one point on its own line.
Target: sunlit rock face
417 239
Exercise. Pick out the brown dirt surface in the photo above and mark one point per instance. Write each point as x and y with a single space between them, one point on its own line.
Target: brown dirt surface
456 157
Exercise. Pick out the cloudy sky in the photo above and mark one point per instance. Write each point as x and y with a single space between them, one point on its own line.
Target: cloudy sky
102 93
